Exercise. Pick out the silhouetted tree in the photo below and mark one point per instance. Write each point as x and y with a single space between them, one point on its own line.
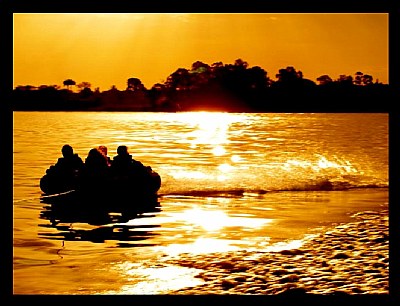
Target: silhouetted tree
230 76
86 92
289 75
289 78
358 78
199 67
324 79
68 83
216 70
367 79
256 78
135 84
217 65
158 95
25 87
236 85
179 80
345 79
200 75
84 85
48 88
362 79
158 87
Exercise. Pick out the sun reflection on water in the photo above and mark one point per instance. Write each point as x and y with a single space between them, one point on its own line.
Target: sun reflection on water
225 167
323 163
216 220
212 223
236 158
286 245
190 174
210 128
156 280
208 134
218 150
201 246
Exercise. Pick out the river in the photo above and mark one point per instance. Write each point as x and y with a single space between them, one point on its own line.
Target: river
230 181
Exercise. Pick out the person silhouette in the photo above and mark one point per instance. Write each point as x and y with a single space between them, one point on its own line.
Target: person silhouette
70 163
64 174
96 165
103 150
124 165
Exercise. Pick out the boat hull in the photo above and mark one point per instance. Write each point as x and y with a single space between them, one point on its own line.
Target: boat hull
145 185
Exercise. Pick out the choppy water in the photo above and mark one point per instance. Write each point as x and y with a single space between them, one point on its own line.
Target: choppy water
229 181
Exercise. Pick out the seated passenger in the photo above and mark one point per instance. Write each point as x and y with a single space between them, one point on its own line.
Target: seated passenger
70 163
103 150
64 174
95 164
124 165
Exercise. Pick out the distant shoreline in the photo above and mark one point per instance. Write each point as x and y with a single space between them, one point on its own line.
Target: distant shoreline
230 88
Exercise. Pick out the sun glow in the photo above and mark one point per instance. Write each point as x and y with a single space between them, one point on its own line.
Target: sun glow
107 49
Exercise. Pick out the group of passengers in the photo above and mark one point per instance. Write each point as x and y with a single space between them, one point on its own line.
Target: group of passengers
98 164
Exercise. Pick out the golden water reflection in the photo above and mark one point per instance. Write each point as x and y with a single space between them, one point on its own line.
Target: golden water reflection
285 245
216 220
158 280
155 280
321 164
210 128
219 150
209 224
201 246
210 134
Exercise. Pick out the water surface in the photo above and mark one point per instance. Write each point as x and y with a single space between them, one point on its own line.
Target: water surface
229 181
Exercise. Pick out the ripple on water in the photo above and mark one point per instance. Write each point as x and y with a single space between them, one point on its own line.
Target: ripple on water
158 280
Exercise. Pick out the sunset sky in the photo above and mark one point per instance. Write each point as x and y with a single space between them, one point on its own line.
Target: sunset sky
107 49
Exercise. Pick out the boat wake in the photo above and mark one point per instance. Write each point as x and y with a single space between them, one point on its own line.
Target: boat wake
323 185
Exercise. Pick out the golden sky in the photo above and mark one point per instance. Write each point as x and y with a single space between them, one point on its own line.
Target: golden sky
107 49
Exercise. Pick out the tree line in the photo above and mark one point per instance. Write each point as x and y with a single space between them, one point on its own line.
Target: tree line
225 87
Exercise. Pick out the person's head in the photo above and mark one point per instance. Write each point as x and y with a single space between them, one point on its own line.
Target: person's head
67 151
94 153
103 150
122 150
